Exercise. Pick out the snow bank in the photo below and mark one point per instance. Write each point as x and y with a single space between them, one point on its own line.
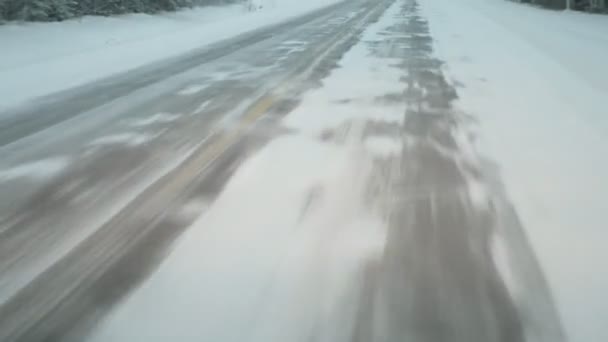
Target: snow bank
42 58
537 80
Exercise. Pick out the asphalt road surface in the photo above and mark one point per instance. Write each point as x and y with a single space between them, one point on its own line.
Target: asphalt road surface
95 181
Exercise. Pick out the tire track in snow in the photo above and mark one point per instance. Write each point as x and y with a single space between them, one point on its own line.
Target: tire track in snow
439 279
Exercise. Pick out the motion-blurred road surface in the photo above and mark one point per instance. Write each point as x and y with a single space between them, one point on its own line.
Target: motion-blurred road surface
306 182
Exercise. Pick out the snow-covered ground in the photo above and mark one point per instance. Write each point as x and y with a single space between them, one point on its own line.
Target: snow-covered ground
278 256
279 251
537 81
257 268
42 58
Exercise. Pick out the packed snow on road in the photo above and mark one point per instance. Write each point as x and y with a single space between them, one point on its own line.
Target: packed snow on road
279 170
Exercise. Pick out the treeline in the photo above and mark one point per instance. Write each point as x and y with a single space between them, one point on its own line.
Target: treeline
57 10
578 5
556 4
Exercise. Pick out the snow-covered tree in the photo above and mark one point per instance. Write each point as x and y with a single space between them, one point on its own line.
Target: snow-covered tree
2 11
61 9
56 10
35 10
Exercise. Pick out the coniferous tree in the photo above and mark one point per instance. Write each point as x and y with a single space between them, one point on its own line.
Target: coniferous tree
57 10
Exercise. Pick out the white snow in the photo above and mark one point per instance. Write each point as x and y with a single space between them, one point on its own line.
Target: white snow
192 89
269 258
201 107
37 170
537 80
41 58
502 260
126 138
478 194
294 43
383 146
155 119
191 210
279 255
344 98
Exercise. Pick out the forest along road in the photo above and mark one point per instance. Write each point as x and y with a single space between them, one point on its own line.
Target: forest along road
399 240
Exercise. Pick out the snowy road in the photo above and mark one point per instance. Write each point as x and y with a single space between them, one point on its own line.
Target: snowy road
330 190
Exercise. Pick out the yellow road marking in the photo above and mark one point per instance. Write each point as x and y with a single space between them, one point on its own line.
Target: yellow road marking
258 109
